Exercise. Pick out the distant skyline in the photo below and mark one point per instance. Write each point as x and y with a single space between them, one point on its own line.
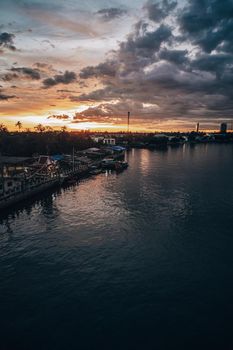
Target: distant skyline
85 64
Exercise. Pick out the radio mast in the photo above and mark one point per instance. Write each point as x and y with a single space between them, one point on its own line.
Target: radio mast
128 120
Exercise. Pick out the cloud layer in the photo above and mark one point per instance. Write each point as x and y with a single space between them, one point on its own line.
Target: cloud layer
7 41
170 62
109 14
178 60
66 78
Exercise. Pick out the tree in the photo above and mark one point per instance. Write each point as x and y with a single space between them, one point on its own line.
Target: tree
64 128
19 125
3 128
39 128
48 129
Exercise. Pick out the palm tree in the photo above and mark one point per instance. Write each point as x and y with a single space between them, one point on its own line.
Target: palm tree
39 128
3 128
19 125
48 128
64 128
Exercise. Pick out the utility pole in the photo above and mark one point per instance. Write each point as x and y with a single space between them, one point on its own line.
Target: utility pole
128 120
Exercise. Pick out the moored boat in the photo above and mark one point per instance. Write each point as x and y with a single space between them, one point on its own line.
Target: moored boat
121 165
112 164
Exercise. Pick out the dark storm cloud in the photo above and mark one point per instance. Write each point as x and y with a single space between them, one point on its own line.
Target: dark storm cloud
213 63
4 97
208 23
7 41
168 76
211 40
133 54
98 95
45 68
109 14
159 10
177 62
107 68
147 40
29 72
161 79
59 116
174 56
66 78
226 47
175 73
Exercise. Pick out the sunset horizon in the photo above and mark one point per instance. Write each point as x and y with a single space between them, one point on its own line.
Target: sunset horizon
89 63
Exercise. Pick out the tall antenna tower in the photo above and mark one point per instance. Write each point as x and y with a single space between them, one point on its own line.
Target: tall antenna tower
128 120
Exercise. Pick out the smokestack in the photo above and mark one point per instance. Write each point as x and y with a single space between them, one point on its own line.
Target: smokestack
198 126
128 120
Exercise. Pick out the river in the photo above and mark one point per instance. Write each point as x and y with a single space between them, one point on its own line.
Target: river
142 259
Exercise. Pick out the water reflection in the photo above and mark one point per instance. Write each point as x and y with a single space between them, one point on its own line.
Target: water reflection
151 243
152 176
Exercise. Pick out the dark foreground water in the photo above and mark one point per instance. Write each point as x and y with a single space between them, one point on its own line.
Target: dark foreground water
139 260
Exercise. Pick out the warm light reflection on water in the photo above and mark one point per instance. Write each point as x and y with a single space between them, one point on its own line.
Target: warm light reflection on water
119 258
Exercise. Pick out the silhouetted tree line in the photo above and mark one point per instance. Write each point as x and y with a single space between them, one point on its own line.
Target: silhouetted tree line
42 142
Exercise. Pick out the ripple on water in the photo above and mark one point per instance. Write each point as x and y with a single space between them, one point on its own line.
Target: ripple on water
124 257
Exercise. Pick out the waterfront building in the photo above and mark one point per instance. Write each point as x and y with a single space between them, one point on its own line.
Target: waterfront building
11 166
109 141
97 139
223 128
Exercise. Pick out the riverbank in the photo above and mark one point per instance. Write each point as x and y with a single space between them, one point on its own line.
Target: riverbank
22 178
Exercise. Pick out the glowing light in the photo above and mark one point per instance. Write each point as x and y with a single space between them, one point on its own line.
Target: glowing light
92 126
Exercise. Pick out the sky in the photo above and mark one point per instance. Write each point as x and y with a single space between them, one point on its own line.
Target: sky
85 64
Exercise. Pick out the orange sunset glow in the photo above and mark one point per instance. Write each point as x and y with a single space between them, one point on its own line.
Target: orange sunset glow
84 66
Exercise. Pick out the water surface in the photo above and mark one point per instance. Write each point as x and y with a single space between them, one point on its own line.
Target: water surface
137 260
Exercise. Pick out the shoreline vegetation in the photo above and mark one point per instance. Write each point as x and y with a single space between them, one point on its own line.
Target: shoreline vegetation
48 141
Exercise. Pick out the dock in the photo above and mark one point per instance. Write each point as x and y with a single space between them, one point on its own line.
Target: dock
25 177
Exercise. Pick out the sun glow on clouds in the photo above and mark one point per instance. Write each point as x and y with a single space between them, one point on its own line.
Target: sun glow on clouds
93 126
31 121
147 57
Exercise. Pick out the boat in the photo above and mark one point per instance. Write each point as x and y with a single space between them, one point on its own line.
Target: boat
121 165
108 163
112 164
95 171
